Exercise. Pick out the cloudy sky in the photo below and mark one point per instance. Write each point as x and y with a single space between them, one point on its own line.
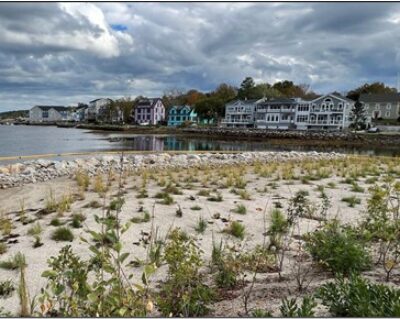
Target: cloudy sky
62 53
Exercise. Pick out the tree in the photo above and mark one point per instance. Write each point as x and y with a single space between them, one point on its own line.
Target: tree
246 88
210 108
373 88
225 92
359 117
125 105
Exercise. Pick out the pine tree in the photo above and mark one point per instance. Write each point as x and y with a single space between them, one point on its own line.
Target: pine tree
359 116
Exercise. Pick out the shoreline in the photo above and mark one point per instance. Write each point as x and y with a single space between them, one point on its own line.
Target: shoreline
317 137
40 170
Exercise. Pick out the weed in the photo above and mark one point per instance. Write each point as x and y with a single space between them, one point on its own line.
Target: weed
6 288
201 225
236 229
62 234
352 201
196 207
203 192
55 222
3 248
240 209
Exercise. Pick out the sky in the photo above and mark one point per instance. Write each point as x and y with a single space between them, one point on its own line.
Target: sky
65 53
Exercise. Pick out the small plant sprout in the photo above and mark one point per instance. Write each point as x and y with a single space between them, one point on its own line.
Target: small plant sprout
236 229
201 225
240 209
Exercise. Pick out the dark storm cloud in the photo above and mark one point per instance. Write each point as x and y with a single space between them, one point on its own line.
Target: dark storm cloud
62 53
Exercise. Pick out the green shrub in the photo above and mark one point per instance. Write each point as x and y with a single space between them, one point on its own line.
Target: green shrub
55 222
236 229
6 288
196 207
62 234
240 209
357 297
290 308
77 220
352 201
116 204
35 229
338 248
184 293
166 198
279 225
201 225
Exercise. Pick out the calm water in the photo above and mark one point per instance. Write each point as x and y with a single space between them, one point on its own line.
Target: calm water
33 140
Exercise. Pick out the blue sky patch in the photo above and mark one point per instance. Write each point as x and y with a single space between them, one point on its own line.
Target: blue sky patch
119 27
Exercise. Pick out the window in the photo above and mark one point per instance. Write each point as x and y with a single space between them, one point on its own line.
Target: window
302 118
377 106
45 114
172 118
303 108
387 114
388 106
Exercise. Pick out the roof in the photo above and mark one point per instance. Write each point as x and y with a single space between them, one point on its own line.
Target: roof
337 95
281 100
180 107
148 102
48 107
252 101
388 97
100 99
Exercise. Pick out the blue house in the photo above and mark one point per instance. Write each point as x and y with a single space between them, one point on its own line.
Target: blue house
178 115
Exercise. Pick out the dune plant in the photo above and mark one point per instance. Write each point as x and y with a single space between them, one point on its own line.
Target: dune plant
62 234
201 225
236 229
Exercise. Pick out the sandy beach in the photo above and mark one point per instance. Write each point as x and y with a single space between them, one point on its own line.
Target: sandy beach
259 187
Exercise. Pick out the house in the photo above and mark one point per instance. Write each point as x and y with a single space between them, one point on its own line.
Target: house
48 113
149 111
177 115
77 113
276 113
97 110
381 106
239 113
327 112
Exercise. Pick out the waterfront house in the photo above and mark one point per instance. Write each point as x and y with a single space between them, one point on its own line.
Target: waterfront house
98 109
328 112
150 111
239 113
381 106
48 113
276 113
177 115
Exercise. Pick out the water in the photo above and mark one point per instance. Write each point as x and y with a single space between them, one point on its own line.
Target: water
39 140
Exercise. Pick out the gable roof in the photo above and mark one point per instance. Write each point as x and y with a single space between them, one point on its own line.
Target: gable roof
103 98
335 95
249 102
148 102
48 107
389 97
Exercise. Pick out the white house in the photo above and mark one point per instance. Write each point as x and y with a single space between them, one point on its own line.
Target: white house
46 113
277 113
239 113
328 112
97 109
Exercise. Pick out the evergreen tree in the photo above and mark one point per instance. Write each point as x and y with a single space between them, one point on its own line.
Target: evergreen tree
359 116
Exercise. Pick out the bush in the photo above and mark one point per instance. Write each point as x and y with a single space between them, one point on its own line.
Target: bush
77 220
62 234
357 297
116 204
236 229
290 308
6 288
184 293
240 209
55 222
338 248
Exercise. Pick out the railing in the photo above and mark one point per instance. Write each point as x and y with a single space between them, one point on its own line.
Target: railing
326 111
324 122
237 121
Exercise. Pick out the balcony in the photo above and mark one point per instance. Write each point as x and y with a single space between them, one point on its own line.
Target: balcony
237 121
324 122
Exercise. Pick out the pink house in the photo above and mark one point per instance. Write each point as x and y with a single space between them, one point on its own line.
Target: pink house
149 111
